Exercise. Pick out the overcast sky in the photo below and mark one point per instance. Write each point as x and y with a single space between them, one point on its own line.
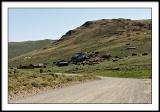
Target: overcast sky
38 24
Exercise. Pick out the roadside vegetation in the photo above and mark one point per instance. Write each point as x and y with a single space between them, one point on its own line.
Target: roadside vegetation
26 81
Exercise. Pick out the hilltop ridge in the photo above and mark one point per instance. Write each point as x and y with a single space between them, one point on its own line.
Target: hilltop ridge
105 35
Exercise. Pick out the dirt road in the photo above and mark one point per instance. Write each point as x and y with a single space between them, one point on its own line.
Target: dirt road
107 90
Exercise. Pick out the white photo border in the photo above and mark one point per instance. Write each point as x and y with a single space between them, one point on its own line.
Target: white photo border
155 54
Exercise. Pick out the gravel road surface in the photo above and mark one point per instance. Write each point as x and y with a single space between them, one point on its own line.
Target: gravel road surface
106 90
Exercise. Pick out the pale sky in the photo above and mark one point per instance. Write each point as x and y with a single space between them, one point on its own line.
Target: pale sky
38 24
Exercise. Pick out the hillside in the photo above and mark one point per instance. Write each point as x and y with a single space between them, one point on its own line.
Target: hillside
19 48
106 35
128 40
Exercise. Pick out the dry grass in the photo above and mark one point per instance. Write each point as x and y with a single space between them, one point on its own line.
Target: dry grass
24 82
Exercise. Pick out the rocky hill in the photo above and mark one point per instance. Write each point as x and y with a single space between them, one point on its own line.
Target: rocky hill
112 36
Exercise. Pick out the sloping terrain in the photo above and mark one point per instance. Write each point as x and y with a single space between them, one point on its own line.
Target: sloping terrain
113 36
19 48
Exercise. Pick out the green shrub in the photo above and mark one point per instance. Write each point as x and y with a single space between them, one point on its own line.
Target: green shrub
41 70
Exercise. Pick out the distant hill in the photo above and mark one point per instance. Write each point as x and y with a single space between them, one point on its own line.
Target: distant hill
19 48
106 35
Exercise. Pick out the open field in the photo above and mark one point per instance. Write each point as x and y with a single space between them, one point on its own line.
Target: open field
133 67
31 80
